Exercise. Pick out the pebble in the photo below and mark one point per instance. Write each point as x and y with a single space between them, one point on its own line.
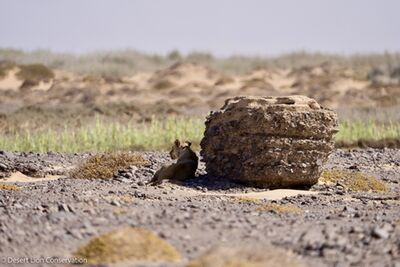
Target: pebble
63 207
380 233
115 203
3 167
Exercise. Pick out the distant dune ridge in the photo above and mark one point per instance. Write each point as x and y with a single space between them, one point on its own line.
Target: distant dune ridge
198 87
41 90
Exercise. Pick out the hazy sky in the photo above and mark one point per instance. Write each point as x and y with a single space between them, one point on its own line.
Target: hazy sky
224 27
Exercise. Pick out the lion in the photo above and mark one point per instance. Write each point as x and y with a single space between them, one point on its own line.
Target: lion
184 168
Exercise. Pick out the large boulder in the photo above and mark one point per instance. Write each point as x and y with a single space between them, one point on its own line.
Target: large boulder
270 142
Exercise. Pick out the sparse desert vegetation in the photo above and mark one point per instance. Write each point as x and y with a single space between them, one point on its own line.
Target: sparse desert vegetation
159 133
279 208
200 133
9 187
35 72
127 62
82 135
251 256
354 180
105 166
129 244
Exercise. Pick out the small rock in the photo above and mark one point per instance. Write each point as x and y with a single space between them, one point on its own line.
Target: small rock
354 167
122 179
75 233
349 209
380 233
63 207
3 167
18 206
115 203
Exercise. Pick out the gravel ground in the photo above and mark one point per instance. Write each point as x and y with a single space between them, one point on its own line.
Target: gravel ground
335 228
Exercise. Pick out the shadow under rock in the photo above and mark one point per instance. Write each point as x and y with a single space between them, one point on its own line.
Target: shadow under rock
209 182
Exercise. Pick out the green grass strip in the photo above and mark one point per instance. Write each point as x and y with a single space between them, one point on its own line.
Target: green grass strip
156 135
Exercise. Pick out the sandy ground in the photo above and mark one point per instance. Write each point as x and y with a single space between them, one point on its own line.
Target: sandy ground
181 89
335 226
18 177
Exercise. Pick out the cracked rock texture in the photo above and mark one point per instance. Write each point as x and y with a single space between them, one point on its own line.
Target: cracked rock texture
271 142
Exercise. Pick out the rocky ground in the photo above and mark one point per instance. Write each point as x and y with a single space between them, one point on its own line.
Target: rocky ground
335 227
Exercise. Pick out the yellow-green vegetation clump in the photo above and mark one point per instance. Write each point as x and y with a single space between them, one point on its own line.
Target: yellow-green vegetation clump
355 181
35 72
5 67
104 166
248 200
126 199
9 187
128 244
120 211
155 135
356 130
280 208
246 257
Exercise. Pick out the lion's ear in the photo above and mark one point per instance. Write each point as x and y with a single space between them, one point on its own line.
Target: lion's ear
188 143
177 143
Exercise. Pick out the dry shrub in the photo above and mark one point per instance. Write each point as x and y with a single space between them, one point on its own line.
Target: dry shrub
280 208
355 181
224 80
126 199
10 187
92 79
246 257
163 84
128 244
5 67
104 166
120 211
35 72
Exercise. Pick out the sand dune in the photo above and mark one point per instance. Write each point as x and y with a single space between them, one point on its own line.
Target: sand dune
188 88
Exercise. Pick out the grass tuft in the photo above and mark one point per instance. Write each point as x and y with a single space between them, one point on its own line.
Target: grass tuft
126 199
104 166
280 208
355 181
35 72
9 187
249 200
163 84
246 256
5 67
128 244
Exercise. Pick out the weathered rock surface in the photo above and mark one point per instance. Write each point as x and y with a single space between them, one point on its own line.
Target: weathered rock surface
271 142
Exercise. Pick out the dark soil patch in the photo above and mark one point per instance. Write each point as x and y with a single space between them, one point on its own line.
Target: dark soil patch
369 143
